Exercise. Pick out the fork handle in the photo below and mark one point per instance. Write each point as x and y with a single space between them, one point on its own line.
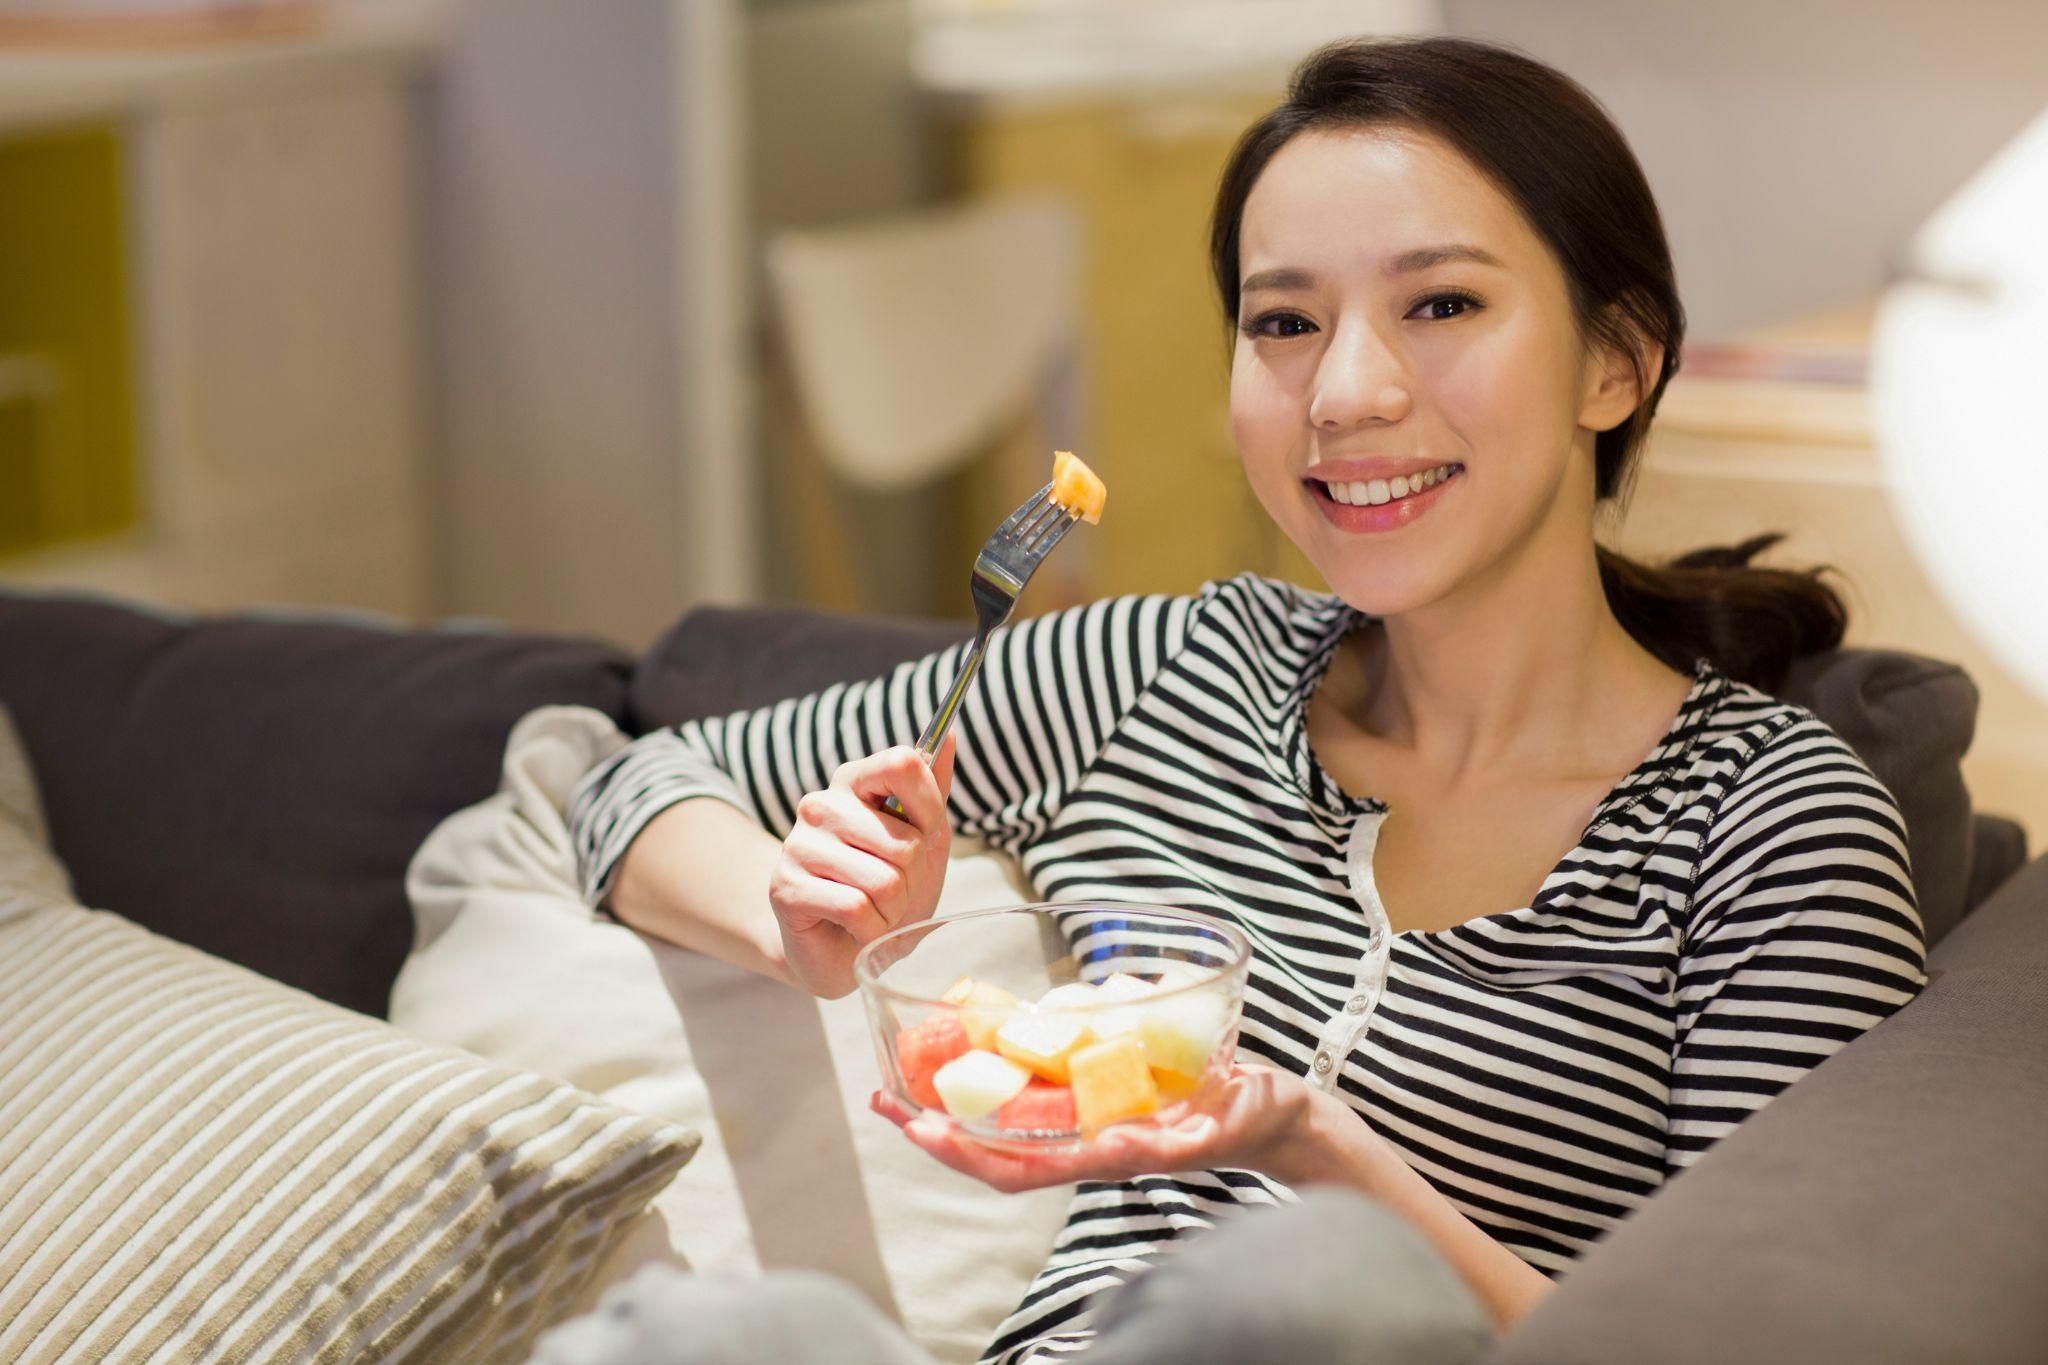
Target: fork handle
942 720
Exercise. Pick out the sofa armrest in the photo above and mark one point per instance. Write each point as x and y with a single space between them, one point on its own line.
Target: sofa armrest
1887 1209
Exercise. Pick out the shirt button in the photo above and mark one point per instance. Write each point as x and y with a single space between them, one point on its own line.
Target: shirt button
1322 1064
1355 1005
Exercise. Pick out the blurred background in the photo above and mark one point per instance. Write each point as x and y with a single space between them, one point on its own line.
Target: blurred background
578 313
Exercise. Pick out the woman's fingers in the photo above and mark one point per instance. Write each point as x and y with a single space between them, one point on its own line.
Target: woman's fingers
803 901
1117 1153
822 855
899 772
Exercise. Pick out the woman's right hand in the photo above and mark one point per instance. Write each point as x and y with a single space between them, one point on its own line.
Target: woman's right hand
849 872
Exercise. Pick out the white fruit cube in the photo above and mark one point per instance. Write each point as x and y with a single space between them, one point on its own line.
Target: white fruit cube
1119 990
1181 1032
1043 1042
978 1083
1079 995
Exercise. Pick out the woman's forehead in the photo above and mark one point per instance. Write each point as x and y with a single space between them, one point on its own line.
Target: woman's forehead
1361 198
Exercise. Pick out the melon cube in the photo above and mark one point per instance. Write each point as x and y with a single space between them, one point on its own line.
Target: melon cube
1174 1087
1111 1082
978 1083
1119 989
1043 1042
1040 1107
1077 488
923 1048
1181 1032
985 1006
1078 995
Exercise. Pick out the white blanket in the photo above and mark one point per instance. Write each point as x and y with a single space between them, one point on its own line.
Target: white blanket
794 1171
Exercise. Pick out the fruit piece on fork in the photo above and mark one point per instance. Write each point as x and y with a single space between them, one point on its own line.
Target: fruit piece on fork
1077 488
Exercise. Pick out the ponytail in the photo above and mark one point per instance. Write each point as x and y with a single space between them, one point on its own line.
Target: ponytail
1750 622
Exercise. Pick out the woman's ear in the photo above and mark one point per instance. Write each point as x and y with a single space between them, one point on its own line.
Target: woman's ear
1616 382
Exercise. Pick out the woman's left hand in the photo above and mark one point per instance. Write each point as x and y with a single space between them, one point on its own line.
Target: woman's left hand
1261 1120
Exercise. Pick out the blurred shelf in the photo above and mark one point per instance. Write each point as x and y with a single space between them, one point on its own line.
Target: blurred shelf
1052 49
61 83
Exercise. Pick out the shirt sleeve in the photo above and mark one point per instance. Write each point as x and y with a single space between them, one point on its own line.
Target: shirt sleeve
1051 692
1804 933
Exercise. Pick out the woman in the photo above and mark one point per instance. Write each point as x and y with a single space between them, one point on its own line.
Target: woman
1546 895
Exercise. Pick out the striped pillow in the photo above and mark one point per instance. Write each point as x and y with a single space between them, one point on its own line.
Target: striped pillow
197 1163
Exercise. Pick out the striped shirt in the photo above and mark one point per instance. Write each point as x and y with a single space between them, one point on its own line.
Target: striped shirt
1738 908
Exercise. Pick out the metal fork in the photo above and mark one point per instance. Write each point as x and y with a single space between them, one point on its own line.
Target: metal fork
1005 564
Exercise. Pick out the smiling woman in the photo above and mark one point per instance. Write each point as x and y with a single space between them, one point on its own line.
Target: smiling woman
1545 894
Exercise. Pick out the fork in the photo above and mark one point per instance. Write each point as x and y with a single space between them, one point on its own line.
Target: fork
1005 564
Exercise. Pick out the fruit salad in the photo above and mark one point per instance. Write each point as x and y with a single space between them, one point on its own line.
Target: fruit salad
1078 1058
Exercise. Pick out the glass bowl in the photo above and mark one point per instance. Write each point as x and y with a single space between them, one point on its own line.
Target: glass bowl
1044 1024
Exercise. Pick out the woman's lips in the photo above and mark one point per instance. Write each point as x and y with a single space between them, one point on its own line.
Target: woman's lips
1383 516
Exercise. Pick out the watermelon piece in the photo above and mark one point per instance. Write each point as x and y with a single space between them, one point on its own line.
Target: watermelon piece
923 1048
1040 1107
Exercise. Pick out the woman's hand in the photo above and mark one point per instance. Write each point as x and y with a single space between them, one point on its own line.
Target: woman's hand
849 872
1262 1120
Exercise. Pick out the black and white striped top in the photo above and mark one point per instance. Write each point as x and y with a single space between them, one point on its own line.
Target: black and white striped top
1737 909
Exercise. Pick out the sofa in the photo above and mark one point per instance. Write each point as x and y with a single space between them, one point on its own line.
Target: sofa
256 786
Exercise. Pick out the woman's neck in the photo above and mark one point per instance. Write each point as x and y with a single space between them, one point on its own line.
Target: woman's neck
1529 673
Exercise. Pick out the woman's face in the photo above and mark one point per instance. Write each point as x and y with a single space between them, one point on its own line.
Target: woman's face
1402 330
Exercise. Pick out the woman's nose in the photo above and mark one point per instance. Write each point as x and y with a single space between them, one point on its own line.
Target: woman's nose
1360 380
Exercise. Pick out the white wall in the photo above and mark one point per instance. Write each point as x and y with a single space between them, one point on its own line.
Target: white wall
572 337
1793 144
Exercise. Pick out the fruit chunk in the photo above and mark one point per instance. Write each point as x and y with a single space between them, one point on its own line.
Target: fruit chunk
977 1083
993 1005
1174 1087
1119 989
1077 488
923 1048
1040 1107
1111 1082
1181 1032
1043 1042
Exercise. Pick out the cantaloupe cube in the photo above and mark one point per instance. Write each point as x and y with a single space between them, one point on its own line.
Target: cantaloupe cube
1111 1082
977 1083
1077 488
1174 1087
1043 1042
986 1007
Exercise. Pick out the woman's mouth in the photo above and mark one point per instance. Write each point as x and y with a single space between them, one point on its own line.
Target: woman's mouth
1381 504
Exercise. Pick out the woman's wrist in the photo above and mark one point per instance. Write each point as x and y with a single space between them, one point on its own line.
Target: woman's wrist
1333 1146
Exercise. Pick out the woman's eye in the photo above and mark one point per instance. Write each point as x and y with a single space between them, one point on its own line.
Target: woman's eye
1444 307
1280 325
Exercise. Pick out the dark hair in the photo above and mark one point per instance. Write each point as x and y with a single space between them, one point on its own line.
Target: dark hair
1550 147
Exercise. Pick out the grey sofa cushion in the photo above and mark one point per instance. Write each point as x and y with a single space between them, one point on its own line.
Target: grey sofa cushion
255 787
1887 1209
1911 719
718 660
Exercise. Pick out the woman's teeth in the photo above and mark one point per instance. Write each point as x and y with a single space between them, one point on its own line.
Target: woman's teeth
1390 490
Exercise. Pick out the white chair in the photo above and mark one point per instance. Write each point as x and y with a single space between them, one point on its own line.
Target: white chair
916 343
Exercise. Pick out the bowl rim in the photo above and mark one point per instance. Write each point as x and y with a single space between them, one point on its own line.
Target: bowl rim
869 983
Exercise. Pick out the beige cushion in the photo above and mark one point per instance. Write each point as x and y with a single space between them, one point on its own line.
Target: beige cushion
796 1171
197 1163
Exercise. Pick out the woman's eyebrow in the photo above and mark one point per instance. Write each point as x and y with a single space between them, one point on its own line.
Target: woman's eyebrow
1280 277
1422 258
